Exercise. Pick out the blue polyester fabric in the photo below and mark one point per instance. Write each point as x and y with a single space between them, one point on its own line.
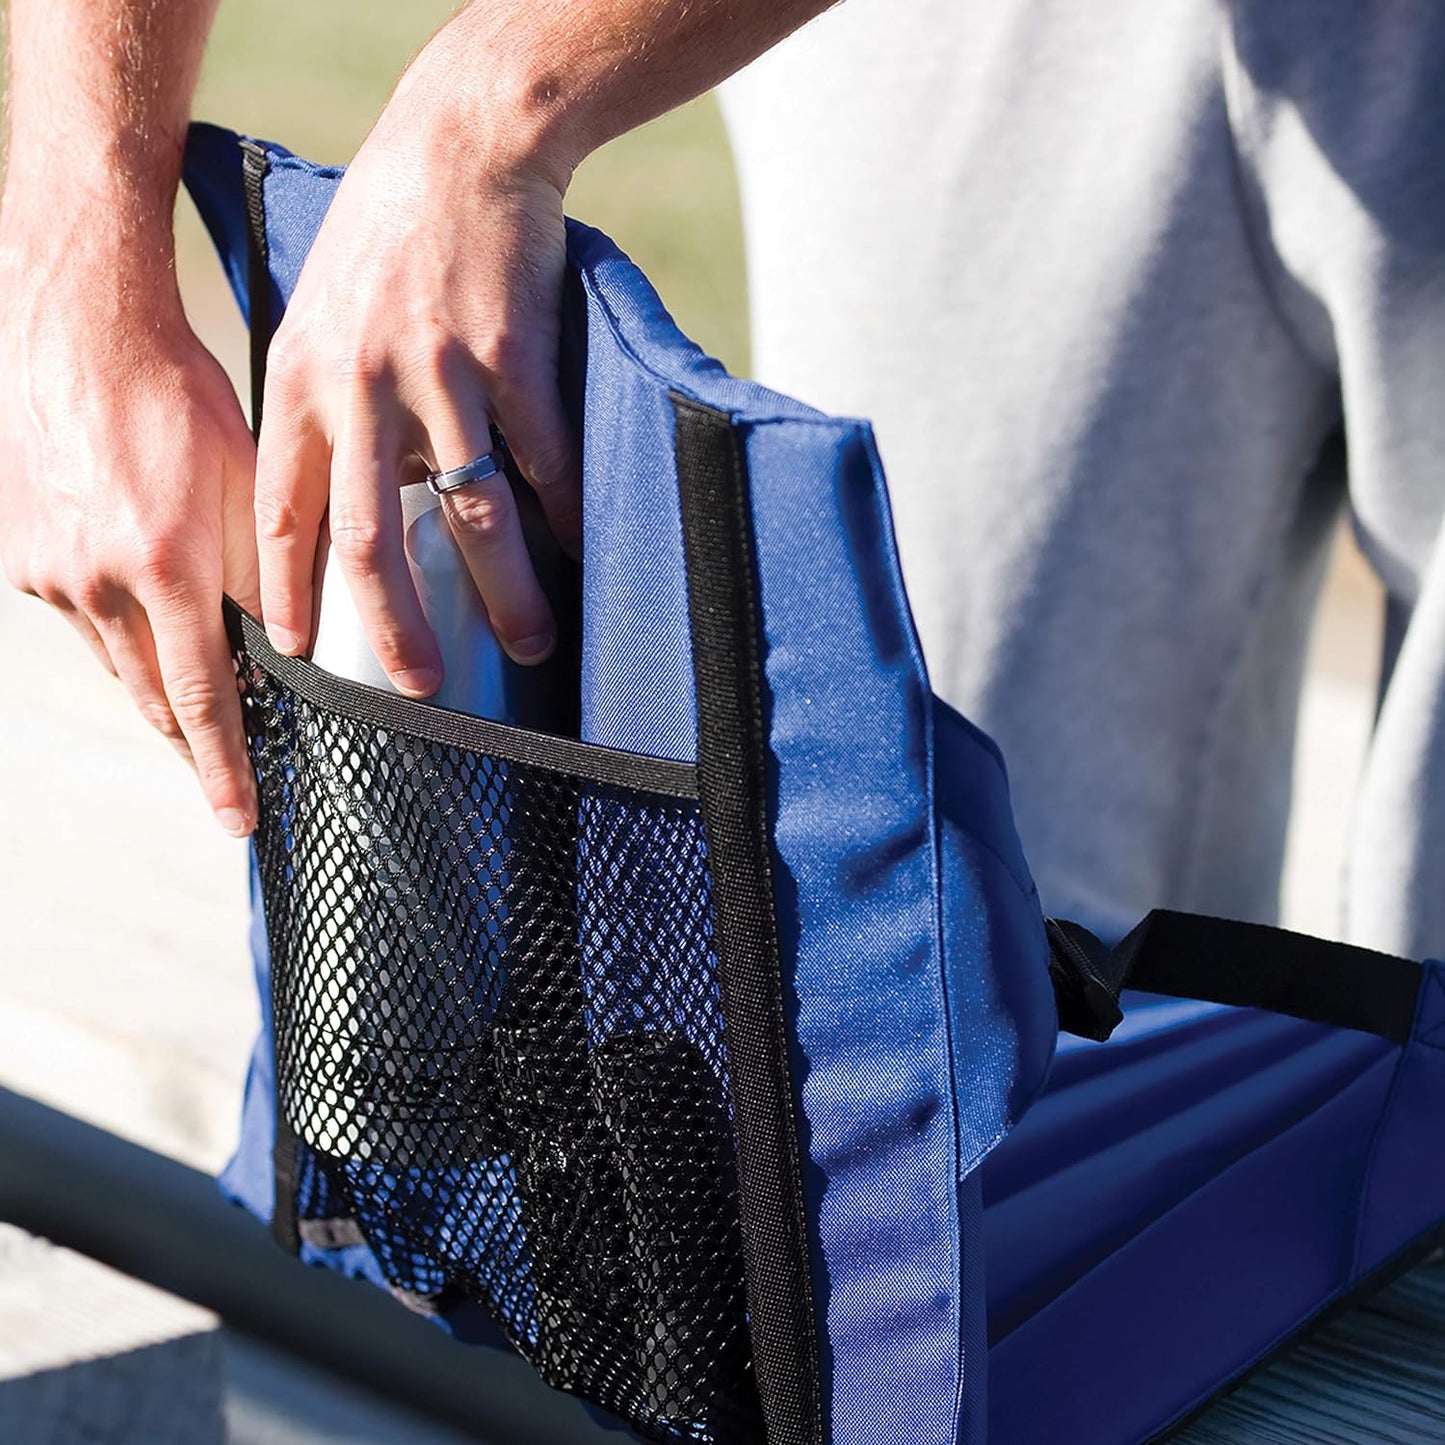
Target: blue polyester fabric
1004 1245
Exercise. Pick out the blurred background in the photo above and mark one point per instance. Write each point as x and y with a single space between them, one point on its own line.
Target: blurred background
125 990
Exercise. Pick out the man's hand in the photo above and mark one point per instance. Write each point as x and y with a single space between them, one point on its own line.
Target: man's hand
428 309
125 495
126 490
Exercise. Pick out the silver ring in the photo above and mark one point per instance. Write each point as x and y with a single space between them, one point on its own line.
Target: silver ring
489 464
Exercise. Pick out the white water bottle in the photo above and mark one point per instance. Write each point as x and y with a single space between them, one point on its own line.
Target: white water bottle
481 680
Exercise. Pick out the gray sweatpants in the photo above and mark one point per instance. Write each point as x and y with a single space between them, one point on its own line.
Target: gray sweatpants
1117 282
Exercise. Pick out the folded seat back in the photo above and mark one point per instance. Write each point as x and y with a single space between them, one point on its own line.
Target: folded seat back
673 1043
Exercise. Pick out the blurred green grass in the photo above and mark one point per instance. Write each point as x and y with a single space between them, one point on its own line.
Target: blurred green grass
313 74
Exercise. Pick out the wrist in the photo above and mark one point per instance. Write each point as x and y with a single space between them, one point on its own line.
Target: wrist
88 221
109 184
483 94
85 258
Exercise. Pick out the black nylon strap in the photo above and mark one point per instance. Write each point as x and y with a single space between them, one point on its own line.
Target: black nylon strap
254 164
724 616
1248 965
285 1229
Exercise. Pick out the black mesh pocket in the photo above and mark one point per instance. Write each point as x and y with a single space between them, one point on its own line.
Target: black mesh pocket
499 1036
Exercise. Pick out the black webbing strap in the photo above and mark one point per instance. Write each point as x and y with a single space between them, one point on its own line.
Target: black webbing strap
285 1229
254 162
724 617
1249 965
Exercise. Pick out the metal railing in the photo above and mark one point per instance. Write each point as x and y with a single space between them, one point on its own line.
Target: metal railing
163 1222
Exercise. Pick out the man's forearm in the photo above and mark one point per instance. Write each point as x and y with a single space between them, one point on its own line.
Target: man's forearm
98 98
555 79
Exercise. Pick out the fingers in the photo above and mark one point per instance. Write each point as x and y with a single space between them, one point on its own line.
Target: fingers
488 531
194 660
541 440
88 634
174 660
131 648
131 535
341 494
365 527
171 654
293 469
311 493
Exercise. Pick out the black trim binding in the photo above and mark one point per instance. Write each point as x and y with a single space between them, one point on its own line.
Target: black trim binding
254 164
1247 965
438 724
732 777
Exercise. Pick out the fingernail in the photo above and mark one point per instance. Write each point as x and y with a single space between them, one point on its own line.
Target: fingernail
234 821
418 681
285 641
534 648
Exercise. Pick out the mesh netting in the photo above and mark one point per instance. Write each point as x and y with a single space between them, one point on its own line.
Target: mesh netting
499 1041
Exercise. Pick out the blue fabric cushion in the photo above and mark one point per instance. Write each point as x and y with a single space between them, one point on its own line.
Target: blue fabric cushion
1174 1201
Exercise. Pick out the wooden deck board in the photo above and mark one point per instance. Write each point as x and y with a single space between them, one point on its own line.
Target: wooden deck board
1374 1376
87 1354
